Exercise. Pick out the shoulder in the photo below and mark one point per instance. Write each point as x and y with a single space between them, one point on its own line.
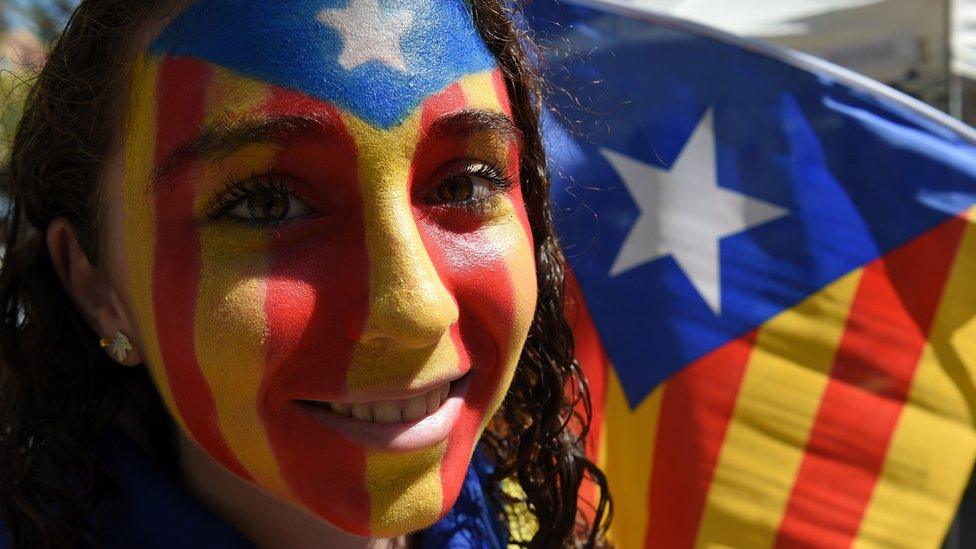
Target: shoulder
149 509
143 507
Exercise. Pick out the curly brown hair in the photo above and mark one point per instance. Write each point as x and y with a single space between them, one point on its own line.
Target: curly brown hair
60 395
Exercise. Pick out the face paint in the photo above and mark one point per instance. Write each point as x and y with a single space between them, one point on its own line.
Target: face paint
333 227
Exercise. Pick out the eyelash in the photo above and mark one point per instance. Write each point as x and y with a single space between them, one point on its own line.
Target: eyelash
501 183
236 191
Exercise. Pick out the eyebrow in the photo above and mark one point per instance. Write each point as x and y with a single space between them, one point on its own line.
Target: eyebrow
471 122
220 139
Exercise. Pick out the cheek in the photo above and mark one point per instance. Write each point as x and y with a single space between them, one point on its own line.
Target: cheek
316 305
491 273
231 334
316 293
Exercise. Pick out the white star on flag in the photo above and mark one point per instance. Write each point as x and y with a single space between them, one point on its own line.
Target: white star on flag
684 213
369 33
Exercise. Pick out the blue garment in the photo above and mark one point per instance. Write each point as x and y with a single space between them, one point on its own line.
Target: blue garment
152 511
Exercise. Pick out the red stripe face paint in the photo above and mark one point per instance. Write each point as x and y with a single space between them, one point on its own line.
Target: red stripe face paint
317 301
314 275
177 260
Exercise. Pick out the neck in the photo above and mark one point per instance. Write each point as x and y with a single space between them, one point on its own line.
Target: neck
263 518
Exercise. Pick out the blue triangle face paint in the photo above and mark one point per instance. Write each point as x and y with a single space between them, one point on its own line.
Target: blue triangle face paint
377 59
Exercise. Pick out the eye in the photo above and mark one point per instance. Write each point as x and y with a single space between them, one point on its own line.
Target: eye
269 206
261 200
464 188
469 183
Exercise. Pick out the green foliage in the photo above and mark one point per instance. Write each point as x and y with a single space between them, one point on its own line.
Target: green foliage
13 91
42 18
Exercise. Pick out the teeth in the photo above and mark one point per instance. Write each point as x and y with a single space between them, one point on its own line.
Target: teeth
433 401
395 411
362 412
386 412
415 408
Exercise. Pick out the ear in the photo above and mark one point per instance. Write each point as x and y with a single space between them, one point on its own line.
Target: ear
96 298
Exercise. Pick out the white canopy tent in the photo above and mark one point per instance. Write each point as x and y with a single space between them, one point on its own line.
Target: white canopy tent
964 38
900 42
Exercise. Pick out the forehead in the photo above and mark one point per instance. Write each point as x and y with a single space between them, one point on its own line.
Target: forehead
377 59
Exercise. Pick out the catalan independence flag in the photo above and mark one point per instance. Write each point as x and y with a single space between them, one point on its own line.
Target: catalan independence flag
776 263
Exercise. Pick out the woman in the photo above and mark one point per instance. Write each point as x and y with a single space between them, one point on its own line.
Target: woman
322 230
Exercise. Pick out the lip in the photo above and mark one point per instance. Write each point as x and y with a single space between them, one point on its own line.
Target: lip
397 437
375 396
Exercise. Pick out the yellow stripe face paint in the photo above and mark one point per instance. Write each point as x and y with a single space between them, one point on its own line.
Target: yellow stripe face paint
140 147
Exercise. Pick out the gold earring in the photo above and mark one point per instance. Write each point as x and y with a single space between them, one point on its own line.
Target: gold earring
118 347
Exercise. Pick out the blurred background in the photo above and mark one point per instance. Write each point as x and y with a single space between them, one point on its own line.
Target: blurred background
26 29
925 48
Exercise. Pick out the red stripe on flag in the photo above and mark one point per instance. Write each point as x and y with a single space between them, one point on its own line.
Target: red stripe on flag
594 362
592 358
176 262
872 374
696 408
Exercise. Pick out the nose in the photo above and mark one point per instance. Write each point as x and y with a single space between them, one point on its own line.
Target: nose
408 301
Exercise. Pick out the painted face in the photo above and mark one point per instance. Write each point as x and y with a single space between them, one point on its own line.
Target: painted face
332 268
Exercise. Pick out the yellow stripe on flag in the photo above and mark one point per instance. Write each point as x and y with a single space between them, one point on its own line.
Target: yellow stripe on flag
931 453
775 410
629 459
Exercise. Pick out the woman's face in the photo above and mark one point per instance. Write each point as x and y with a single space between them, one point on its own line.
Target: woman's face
327 249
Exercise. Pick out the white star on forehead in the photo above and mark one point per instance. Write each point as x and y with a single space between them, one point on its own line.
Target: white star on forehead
684 213
369 33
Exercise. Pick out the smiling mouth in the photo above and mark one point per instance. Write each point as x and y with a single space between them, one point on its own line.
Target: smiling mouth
395 425
390 411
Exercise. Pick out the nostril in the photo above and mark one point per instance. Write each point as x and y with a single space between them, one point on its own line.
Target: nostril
413 331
